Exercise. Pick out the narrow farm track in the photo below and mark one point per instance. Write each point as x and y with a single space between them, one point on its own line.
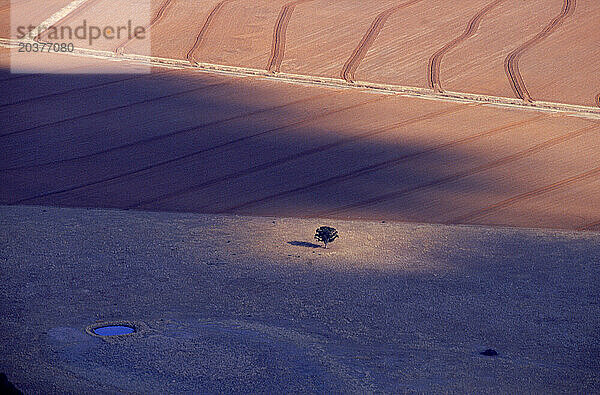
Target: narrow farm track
527 195
433 70
368 39
590 226
191 155
382 165
463 174
159 15
295 156
83 88
108 110
511 63
580 111
205 27
180 132
279 35
85 5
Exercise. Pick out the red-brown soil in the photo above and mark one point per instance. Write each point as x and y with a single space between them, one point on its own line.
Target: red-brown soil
251 146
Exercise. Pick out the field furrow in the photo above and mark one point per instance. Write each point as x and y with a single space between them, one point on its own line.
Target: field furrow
380 165
463 174
433 71
511 63
279 35
478 214
368 39
157 18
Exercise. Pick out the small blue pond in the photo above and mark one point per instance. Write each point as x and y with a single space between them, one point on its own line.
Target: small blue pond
114 330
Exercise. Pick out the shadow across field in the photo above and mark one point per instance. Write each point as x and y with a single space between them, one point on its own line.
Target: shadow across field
177 140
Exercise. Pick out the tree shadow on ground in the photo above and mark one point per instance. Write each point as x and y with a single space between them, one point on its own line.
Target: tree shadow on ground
304 244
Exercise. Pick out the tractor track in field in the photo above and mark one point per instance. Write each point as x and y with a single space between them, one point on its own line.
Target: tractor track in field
82 88
176 133
205 27
289 158
463 174
159 15
107 110
590 226
477 214
433 70
586 112
70 15
192 154
511 62
279 35
382 165
368 39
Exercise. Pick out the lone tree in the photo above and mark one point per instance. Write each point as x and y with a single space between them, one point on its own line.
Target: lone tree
326 234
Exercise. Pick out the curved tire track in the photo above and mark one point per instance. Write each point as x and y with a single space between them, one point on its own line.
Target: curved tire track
368 39
159 15
511 63
381 165
590 226
207 24
463 174
524 196
187 156
279 35
433 70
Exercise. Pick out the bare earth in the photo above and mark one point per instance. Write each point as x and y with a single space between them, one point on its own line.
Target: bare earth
240 304
244 125
220 144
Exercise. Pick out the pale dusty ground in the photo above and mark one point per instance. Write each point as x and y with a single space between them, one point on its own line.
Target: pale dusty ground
226 304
